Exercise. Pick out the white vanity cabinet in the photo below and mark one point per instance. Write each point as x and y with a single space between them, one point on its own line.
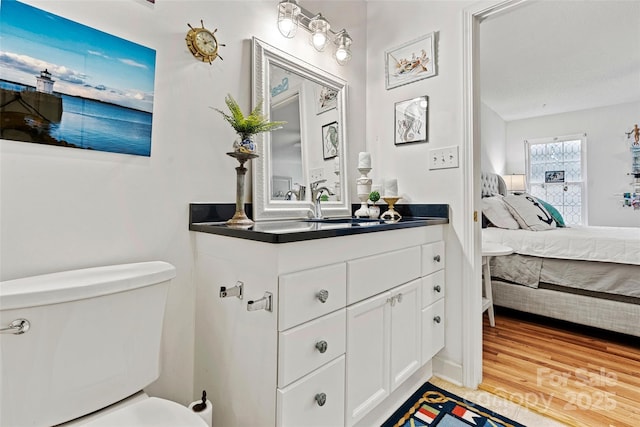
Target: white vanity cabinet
346 326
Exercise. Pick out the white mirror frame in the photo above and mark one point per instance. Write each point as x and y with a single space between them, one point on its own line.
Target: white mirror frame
264 208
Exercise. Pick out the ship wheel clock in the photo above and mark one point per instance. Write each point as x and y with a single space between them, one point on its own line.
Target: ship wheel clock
202 43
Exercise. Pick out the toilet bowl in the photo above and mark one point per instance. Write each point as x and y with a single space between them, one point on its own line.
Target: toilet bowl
78 347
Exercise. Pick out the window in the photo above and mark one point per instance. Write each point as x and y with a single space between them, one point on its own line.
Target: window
555 169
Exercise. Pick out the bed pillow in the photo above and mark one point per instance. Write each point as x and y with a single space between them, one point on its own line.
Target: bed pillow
557 216
497 213
530 214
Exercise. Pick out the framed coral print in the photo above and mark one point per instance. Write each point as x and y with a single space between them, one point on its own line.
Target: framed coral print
326 99
411 120
330 140
412 61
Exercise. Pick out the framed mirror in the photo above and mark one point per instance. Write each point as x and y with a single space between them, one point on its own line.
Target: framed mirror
311 147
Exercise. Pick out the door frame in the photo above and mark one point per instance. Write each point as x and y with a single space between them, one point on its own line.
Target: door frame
472 237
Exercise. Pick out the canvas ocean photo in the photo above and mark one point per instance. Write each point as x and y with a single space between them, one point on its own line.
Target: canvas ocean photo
63 83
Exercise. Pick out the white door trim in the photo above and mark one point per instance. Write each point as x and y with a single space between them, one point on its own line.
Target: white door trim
472 238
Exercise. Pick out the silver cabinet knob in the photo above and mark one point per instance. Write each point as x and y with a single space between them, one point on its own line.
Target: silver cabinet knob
392 301
322 346
323 295
321 399
436 258
437 319
437 288
399 297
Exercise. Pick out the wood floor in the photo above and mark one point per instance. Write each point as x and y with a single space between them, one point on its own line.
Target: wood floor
580 376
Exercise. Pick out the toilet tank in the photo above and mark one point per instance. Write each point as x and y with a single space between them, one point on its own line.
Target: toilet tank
94 339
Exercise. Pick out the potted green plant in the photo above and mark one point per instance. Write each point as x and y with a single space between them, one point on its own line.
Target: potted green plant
374 210
247 126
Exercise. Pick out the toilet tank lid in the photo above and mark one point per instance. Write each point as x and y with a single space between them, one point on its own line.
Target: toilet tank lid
73 285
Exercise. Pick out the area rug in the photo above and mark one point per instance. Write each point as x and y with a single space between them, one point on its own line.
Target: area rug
431 406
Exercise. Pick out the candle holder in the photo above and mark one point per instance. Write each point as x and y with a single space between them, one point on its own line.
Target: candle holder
364 188
240 219
391 215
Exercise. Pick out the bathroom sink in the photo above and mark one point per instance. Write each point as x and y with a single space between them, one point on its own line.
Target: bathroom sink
350 221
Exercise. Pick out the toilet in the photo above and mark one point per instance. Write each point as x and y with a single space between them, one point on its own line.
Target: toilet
78 347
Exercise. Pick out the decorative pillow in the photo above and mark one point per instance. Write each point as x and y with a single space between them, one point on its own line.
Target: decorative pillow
529 213
496 211
557 216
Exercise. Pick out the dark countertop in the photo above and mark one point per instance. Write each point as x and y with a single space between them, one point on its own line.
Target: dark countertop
205 218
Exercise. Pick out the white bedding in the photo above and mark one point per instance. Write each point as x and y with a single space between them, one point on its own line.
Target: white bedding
608 244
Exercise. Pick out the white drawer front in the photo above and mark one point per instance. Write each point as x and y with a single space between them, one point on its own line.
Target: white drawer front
432 257
299 405
371 275
310 345
301 293
432 288
432 330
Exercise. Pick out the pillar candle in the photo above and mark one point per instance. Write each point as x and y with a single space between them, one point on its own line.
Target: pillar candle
364 160
336 164
391 187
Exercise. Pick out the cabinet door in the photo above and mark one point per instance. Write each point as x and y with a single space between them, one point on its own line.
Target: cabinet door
368 329
406 309
432 330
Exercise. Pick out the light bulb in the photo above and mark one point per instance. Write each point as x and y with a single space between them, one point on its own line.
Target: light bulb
286 26
319 41
341 54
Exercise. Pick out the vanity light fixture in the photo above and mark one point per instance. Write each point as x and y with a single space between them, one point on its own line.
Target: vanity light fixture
319 28
343 47
291 15
288 12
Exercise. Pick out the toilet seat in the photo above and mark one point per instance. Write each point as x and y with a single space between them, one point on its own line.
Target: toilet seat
150 412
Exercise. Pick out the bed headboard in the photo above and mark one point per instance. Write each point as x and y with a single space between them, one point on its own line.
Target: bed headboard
491 184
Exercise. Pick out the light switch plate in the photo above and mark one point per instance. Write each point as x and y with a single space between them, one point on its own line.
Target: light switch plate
443 158
316 174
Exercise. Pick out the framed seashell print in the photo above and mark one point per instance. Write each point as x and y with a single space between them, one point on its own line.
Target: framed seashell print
412 61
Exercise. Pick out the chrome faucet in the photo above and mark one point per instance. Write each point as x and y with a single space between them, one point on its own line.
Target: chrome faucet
316 195
299 193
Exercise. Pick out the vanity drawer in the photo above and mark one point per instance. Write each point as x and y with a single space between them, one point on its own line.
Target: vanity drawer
432 288
432 257
310 345
432 330
301 294
302 404
371 275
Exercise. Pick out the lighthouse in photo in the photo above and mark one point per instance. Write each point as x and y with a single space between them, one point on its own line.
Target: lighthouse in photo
45 82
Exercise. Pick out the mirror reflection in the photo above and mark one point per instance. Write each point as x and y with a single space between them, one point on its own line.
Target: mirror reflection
300 168
286 150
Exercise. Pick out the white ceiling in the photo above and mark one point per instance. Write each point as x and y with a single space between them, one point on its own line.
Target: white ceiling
549 57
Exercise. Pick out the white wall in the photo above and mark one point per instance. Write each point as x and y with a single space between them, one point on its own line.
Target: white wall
493 139
409 162
608 155
64 208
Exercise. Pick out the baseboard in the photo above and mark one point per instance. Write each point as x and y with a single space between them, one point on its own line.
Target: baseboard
447 370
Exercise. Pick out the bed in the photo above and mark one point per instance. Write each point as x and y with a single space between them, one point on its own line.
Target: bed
585 275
